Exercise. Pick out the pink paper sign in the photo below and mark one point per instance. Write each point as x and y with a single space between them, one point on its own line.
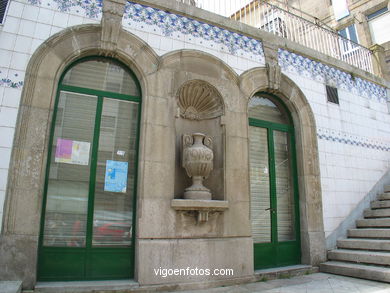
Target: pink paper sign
72 152
64 148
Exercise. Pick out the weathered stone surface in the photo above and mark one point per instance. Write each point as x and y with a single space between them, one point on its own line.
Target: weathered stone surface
161 143
369 244
368 257
377 213
240 126
356 270
111 23
158 180
193 253
369 233
380 204
18 258
237 220
156 218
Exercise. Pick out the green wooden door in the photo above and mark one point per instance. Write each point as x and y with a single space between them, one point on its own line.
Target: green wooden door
273 183
87 227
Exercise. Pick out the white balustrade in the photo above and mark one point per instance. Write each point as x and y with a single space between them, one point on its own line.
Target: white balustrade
272 18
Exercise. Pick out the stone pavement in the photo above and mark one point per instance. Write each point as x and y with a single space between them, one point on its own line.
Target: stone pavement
314 283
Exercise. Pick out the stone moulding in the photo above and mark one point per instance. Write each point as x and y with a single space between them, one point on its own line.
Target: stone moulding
198 100
202 208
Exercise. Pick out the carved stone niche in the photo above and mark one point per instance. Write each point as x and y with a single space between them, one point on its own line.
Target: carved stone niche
198 125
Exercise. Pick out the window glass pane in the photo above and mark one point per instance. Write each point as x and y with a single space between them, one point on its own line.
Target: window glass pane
101 74
264 109
343 33
259 185
114 190
378 12
284 187
352 33
68 182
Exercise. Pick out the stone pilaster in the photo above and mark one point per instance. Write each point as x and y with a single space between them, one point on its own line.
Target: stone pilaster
379 62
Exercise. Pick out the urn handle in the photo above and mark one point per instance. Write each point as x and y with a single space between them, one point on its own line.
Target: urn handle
208 141
188 140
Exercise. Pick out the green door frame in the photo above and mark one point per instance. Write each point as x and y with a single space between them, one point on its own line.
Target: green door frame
88 263
275 253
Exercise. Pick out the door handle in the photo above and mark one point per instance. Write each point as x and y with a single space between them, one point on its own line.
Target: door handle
270 209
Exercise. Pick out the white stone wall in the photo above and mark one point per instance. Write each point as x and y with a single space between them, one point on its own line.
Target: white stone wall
353 137
27 25
353 142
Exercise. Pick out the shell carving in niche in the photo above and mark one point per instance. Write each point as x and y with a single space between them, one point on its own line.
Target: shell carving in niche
199 100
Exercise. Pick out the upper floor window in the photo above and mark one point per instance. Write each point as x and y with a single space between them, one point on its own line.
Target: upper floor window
379 24
349 34
340 9
3 8
377 13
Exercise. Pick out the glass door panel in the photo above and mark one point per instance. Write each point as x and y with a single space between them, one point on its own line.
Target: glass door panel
259 185
68 181
115 173
284 187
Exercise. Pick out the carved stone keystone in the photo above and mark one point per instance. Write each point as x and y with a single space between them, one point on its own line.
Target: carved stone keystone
111 23
197 160
272 65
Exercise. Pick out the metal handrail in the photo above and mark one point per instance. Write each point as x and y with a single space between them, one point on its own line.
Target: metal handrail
264 15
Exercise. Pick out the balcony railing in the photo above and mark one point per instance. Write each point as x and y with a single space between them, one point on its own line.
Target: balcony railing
273 19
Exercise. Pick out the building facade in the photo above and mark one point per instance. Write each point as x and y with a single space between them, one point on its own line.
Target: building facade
100 100
363 22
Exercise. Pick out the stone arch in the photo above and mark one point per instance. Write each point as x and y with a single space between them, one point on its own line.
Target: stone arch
23 204
310 198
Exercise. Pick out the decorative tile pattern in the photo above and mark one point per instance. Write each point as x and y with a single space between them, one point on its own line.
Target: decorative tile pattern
90 8
345 138
169 23
306 67
7 82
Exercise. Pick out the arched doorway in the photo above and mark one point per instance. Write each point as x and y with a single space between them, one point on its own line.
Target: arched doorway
273 183
88 214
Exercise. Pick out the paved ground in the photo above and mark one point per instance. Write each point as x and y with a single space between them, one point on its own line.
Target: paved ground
314 283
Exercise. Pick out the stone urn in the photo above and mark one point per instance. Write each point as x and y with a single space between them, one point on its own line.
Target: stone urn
197 160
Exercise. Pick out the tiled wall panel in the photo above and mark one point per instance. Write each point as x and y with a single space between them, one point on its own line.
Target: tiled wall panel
353 136
27 25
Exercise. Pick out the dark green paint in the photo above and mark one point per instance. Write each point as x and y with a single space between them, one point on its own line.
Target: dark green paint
88 263
275 253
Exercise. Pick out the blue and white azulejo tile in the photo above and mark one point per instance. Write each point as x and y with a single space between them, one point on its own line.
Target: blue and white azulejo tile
169 23
306 67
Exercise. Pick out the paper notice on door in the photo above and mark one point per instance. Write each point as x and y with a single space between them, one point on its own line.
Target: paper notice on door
116 176
72 152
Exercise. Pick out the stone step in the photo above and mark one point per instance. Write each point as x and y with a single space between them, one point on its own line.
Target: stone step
377 273
378 213
368 244
384 196
386 188
380 204
369 233
10 286
360 256
377 222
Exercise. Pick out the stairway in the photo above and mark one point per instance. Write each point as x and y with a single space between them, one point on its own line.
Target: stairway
366 252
